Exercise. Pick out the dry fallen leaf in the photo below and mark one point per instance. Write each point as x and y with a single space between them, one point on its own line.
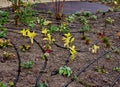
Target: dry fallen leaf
118 34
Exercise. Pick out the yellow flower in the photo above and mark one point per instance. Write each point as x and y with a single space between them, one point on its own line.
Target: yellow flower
24 32
94 48
115 2
49 38
73 52
67 39
31 35
44 31
67 35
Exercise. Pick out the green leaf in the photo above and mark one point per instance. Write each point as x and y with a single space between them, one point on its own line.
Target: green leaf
42 85
66 71
27 65
87 13
11 84
117 69
3 84
53 29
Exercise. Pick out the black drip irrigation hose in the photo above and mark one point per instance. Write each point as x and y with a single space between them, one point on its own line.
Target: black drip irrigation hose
19 65
67 48
87 66
43 67
60 46
115 80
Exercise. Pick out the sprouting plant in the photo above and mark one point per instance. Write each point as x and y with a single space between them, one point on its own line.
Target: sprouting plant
71 18
42 84
11 84
27 33
105 39
67 39
49 38
27 65
8 55
25 47
110 9
2 84
77 13
108 1
99 11
117 8
87 13
108 44
5 43
43 22
3 31
83 20
25 15
117 51
47 48
109 20
4 15
53 29
84 29
107 56
66 71
93 17
117 69
94 48
63 28
100 70
43 57
73 52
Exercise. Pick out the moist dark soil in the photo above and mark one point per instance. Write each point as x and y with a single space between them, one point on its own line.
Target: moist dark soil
85 64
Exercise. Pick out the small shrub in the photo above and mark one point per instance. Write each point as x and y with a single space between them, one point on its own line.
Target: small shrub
24 47
93 17
3 31
109 20
87 13
3 17
71 18
83 20
27 65
66 71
